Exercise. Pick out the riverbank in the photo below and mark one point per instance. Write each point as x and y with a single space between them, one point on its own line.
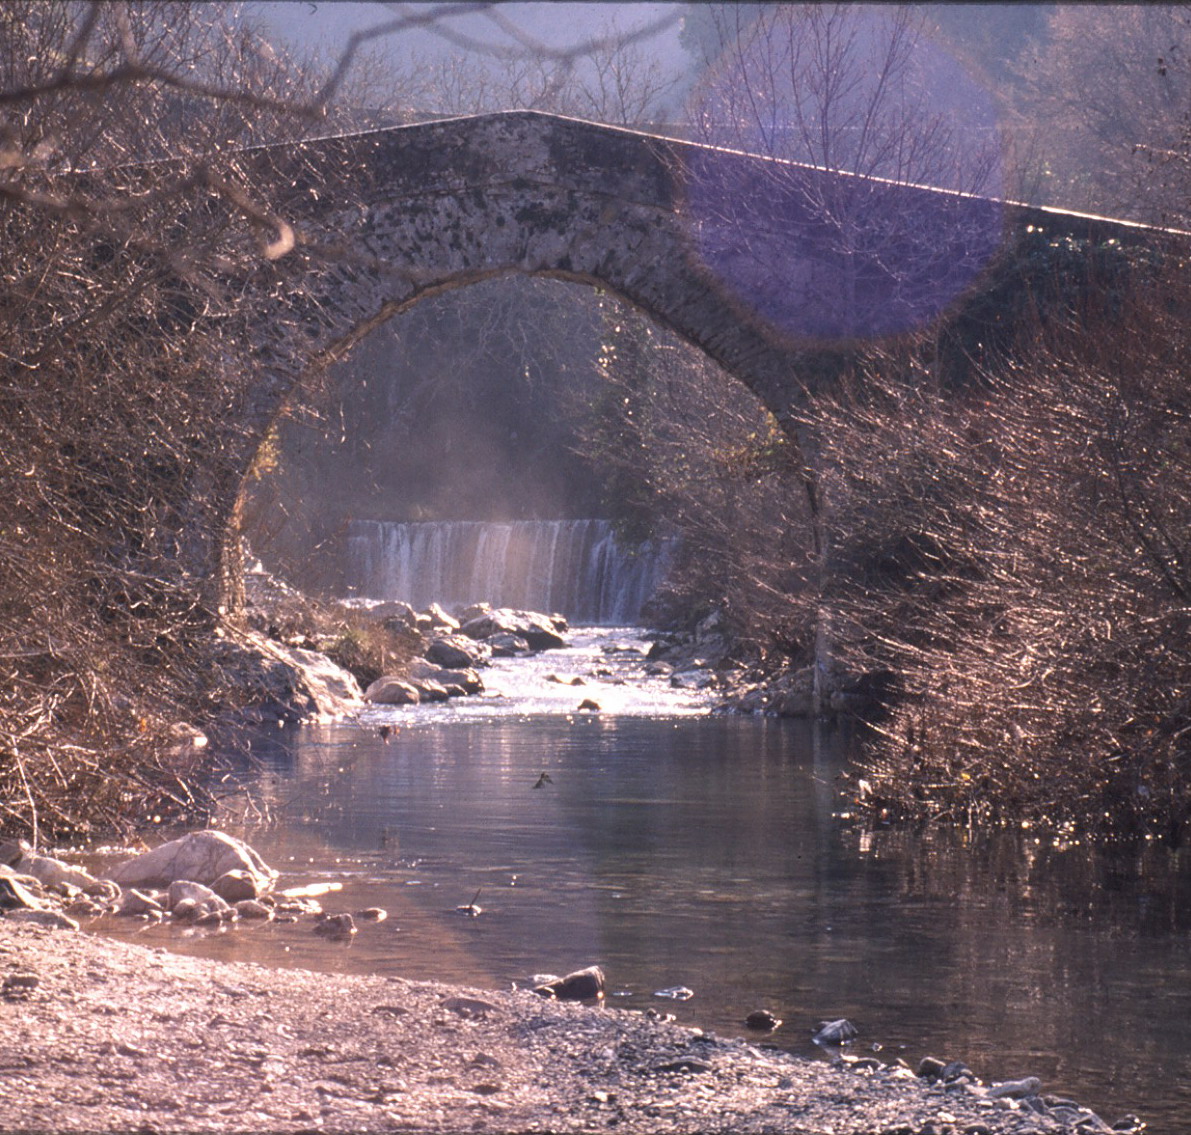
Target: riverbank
105 1036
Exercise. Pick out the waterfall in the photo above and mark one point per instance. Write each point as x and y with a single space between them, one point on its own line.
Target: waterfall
576 568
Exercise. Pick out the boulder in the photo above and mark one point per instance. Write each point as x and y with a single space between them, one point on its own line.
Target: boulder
236 886
200 857
439 618
468 681
458 652
193 900
507 645
540 631
582 985
287 683
429 690
54 873
251 909
392 690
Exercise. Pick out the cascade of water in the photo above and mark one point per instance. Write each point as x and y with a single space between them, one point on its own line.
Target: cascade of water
574 567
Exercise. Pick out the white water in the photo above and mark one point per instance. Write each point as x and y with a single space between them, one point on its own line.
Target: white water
574 567
605 665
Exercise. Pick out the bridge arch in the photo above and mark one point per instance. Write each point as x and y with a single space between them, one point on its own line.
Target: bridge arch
386 218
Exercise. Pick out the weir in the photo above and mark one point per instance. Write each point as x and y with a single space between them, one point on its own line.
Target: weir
576 568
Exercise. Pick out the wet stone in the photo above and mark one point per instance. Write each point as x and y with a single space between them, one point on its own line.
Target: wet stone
582 985
762 1020
835 1032
335 926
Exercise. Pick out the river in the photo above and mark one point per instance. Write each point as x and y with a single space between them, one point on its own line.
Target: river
713 853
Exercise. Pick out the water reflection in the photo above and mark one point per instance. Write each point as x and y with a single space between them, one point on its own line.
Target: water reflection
707 852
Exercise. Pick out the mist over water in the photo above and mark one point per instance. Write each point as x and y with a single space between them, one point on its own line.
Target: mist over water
577 568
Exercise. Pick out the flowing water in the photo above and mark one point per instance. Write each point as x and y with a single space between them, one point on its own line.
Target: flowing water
680 849
578 567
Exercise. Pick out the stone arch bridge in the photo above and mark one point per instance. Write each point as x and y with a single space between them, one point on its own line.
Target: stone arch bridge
764 265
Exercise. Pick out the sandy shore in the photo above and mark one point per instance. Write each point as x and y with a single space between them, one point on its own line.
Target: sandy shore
107 1036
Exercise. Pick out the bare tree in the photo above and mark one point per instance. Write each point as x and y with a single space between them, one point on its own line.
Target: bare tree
1108 94
862 108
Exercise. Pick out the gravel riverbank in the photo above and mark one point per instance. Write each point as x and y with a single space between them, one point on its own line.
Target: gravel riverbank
108 1036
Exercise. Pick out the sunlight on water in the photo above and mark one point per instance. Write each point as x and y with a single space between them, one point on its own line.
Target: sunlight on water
606 661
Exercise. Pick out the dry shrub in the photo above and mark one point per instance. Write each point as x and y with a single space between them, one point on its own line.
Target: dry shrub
1016 555
363 644
117 371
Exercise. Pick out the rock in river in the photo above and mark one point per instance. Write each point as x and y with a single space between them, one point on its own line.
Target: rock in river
392 690
762 1020
540 631
835 1032
582 985
200 857
335 926
458 652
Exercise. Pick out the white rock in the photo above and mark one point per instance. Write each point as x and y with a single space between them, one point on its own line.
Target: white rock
183 890
54 873
201 857
1016 1089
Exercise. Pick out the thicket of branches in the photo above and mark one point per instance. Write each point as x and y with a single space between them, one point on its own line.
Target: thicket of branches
114 370
1016 555
1001 531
